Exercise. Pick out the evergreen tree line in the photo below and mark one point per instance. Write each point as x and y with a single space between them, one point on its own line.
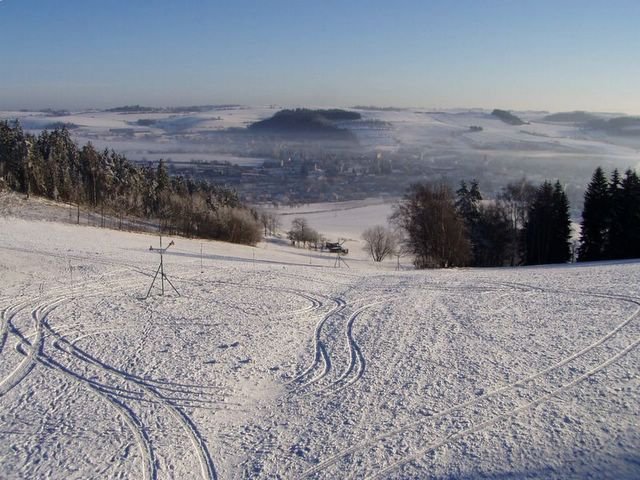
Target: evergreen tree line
611 217
526 225
52 165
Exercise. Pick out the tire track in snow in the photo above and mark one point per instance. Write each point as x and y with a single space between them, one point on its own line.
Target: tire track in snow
35 354
96 332
356 358
332 460
315 302
77 257
7 314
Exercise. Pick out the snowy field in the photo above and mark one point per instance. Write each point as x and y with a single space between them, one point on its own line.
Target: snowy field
273 364
340 220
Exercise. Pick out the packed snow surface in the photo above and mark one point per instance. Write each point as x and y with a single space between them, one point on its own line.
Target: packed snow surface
271 363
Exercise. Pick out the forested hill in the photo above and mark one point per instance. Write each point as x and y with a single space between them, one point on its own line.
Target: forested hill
52 165
305 122
508 117
571 117
619 126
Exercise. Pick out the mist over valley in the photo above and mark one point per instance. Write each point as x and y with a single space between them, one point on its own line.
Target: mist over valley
271 154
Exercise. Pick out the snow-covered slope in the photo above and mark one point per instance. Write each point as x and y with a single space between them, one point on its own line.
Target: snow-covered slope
273 364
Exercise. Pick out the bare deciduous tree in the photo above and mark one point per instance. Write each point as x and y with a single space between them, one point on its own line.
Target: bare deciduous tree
270 222
516 198
435 233
274 224
379 242
301 232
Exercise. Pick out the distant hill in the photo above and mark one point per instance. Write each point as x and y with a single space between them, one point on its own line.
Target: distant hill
338 114
307 122
373 108
508 117
60 126
578 116
133 109
622 126
179 109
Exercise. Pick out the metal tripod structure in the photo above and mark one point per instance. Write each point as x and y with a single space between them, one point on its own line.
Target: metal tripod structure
340 260
160 269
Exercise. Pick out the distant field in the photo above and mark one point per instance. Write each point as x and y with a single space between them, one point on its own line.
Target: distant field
346 220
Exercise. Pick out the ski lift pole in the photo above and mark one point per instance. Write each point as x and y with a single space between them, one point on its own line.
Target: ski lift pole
161 265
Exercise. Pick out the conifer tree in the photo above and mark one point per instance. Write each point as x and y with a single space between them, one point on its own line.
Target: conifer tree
468 207
560 251
14 155
596 217
493 233
615 245
548 228
630 215
468 201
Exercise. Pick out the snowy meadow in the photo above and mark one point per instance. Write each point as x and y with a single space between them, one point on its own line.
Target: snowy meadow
273 364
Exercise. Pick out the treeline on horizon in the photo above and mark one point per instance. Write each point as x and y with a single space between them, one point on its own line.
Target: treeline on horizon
525 225
53 166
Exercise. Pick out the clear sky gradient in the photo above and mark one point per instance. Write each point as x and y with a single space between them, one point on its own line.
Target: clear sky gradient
520 54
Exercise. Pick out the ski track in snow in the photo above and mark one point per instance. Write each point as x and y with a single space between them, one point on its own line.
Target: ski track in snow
481 426
323 465
204 458
320 353
322 361
37 316
35 353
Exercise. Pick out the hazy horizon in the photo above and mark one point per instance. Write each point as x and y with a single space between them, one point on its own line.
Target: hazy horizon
170 105
513 55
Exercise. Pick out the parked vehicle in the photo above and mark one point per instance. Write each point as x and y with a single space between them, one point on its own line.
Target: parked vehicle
335 247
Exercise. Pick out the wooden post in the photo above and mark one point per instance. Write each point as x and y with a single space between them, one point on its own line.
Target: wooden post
161 266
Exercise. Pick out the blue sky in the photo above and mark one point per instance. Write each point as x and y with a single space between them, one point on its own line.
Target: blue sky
539 54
